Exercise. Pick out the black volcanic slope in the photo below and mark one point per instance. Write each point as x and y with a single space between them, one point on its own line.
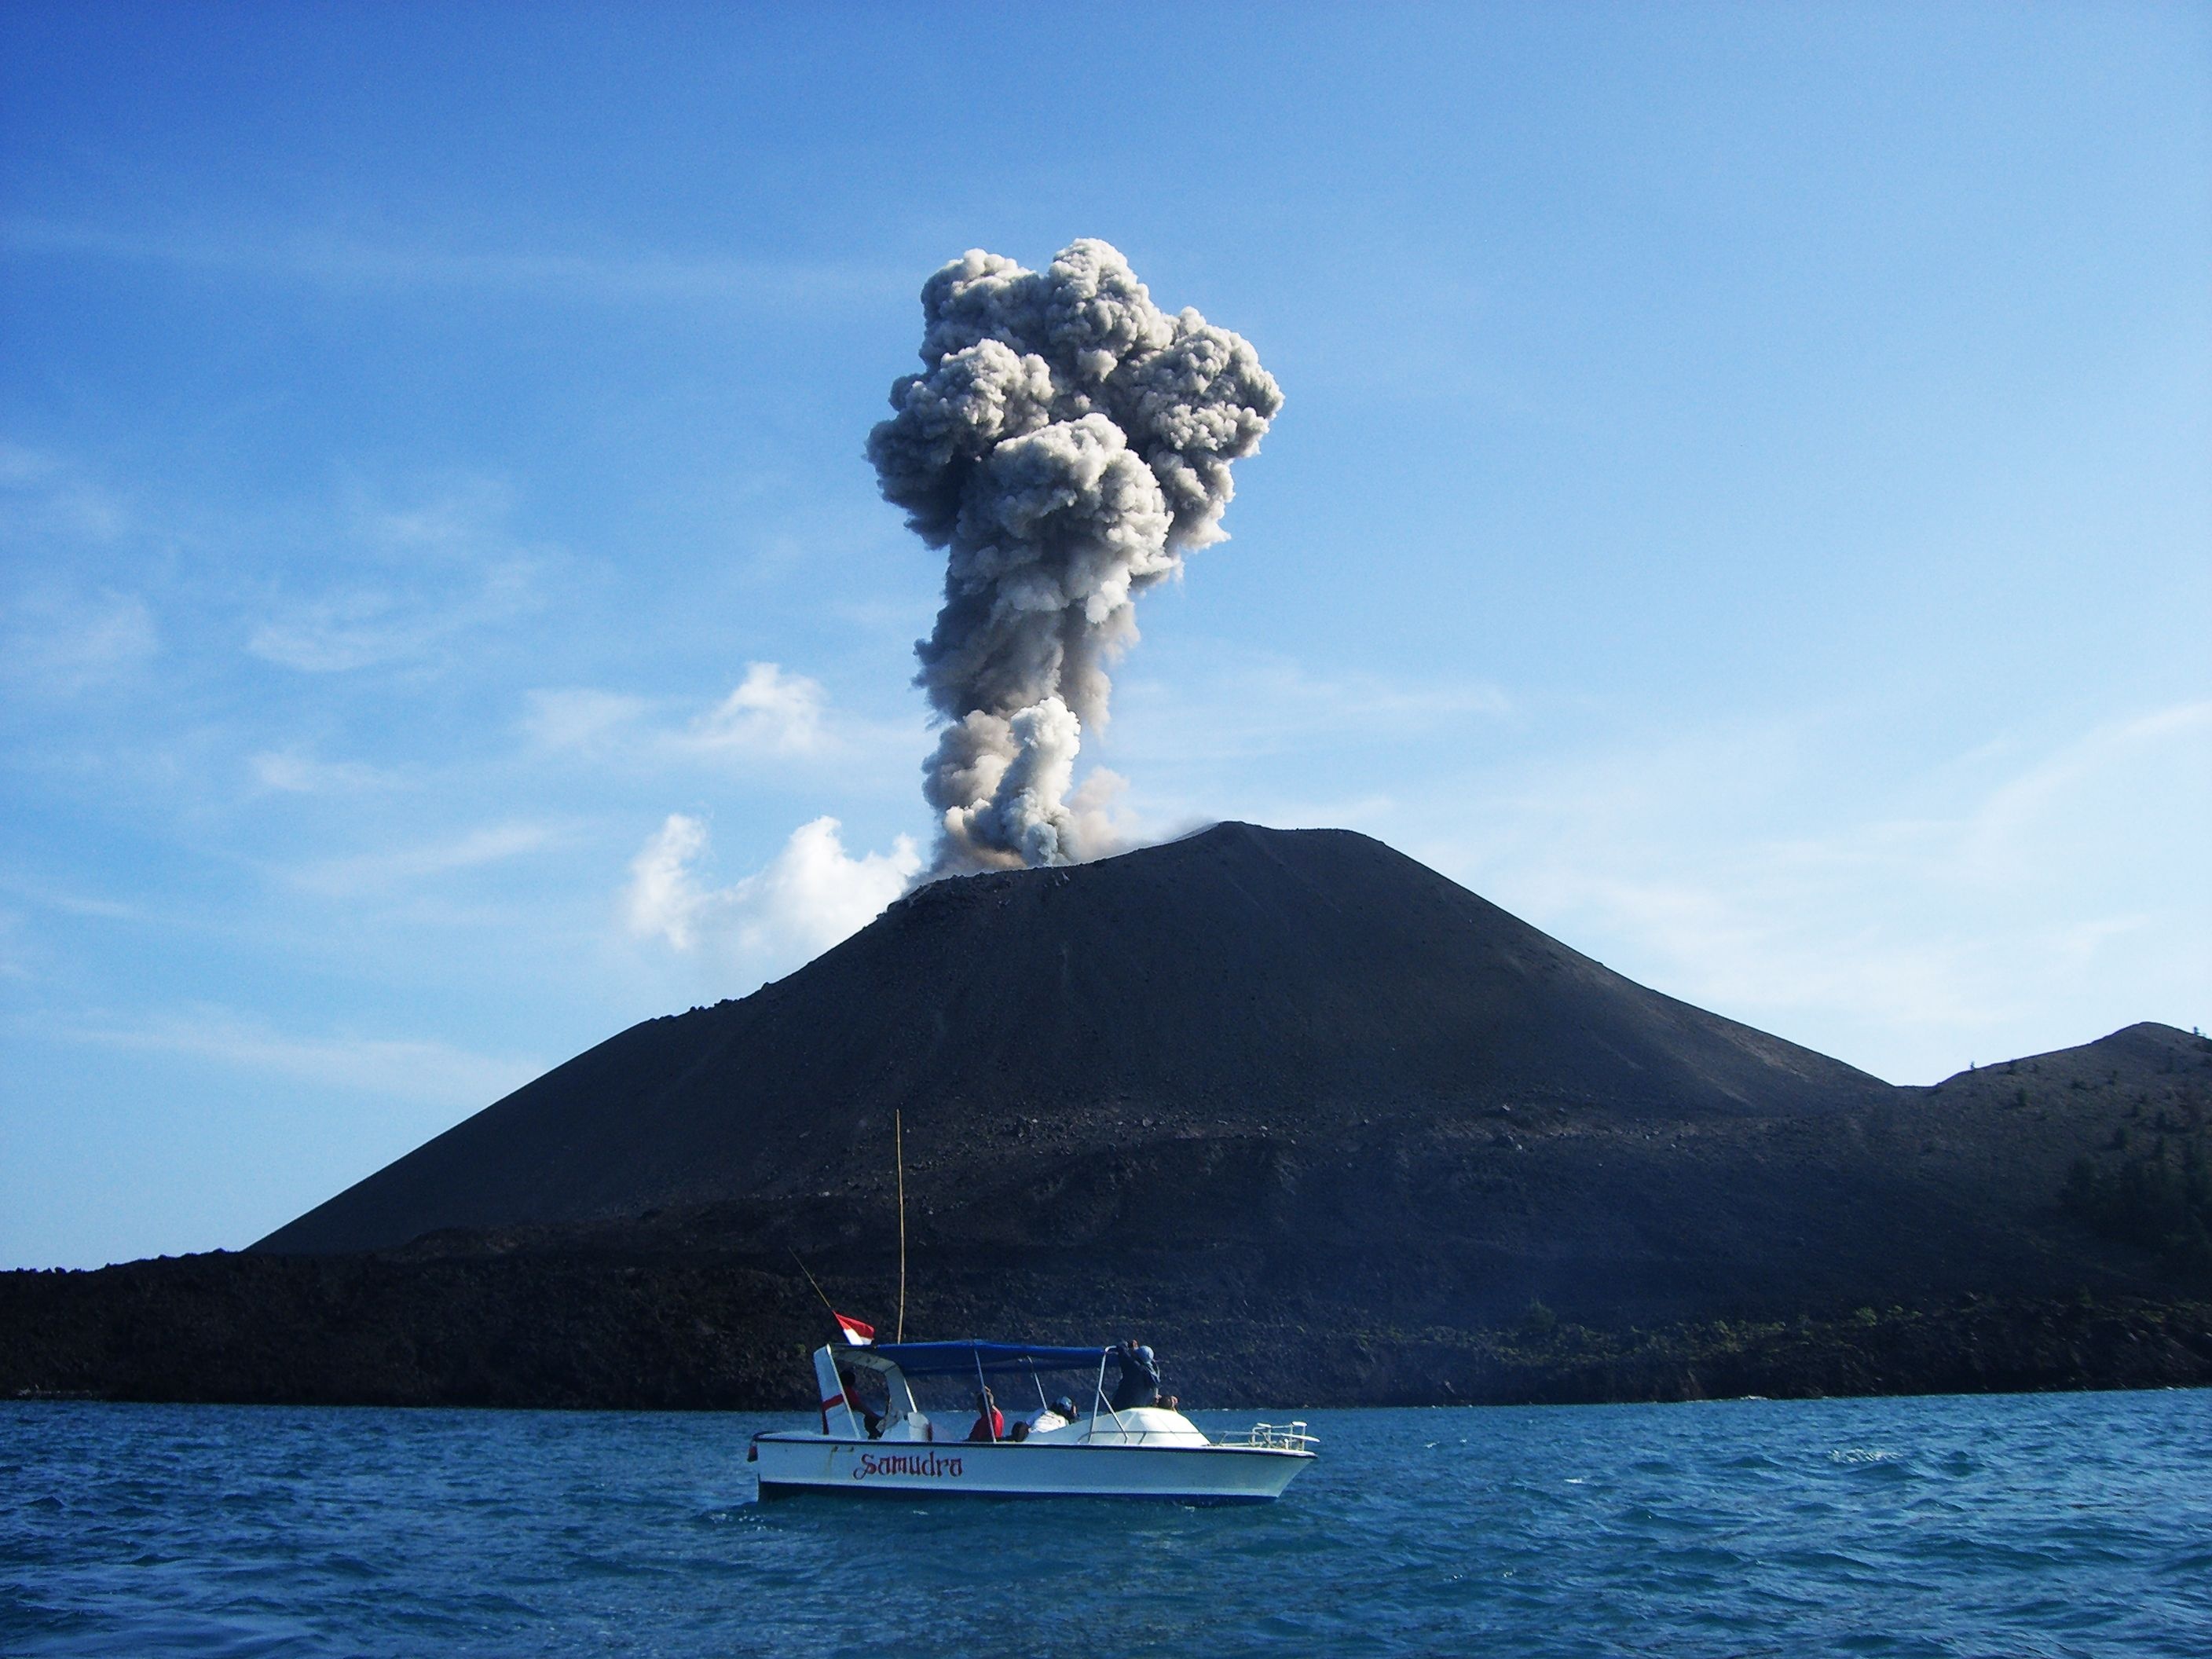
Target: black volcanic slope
1285 1071
1243 977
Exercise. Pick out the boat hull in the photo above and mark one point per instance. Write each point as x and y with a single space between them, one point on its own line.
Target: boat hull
790 1464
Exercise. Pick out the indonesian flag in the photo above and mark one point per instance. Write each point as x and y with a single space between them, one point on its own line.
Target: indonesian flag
858 1334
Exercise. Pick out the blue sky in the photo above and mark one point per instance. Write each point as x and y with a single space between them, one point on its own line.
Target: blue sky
1743 503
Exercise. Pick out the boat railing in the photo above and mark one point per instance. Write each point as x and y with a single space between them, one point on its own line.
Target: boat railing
1276 1436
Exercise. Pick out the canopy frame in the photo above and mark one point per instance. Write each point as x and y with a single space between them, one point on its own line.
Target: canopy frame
978 1359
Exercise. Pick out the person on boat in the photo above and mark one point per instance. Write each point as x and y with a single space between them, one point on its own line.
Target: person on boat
1140 1378
990 1421
870 1418
1057 1415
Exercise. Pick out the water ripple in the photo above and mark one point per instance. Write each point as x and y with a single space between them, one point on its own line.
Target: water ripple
2062 1525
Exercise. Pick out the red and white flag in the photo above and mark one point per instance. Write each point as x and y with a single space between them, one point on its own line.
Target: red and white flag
857 1333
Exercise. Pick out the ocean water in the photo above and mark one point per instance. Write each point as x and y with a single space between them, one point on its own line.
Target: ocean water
2023 1525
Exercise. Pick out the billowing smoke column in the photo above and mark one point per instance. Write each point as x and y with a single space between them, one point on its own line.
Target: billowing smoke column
1067 443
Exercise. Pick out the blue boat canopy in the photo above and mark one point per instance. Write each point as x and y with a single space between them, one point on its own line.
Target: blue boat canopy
991 1358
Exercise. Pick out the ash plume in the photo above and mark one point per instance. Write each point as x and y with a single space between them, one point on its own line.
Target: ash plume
1067 443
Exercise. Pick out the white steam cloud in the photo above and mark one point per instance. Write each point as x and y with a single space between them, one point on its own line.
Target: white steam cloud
1067 443
810 895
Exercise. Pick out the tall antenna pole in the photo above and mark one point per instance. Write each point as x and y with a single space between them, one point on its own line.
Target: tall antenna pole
818 1288
898 1153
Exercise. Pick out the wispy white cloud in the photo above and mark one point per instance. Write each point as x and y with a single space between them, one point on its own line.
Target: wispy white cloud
62 632
60 644
341 260
769 710
809 896
771 713
581 718
101 910
14 954
427 1073
398 579
1900 940
37 896
377 623
414 575
1244 706
46 494
293 772
397 866
2161 761
366 626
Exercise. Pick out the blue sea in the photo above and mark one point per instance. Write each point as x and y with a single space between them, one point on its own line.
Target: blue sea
2019 1525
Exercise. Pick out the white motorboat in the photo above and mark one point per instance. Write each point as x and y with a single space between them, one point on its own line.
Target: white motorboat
1142 1451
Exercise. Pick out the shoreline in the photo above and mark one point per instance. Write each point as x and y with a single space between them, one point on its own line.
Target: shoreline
560 1332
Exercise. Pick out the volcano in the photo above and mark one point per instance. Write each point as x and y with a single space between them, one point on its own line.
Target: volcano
1319 1123
1291 1063
1242 981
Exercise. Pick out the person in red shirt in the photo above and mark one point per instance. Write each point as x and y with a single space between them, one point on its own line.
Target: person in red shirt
990 1421
870 1418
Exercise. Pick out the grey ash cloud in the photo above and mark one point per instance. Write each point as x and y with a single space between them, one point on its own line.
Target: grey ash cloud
1067 444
